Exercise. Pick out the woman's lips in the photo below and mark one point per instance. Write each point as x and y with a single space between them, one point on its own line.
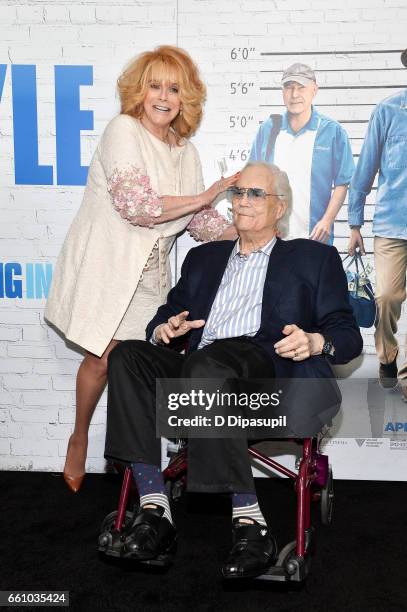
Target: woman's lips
161 109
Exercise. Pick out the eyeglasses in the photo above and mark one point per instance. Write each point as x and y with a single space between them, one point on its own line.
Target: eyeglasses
254 194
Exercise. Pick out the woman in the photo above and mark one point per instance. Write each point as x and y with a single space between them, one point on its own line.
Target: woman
113 271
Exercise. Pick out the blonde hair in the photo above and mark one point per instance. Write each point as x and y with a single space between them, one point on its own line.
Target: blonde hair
165 63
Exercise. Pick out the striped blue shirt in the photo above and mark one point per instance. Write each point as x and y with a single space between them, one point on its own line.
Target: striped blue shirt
236 310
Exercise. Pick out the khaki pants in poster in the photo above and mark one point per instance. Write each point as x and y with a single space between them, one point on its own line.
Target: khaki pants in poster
391 266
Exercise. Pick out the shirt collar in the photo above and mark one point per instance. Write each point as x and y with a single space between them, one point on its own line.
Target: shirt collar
266 249
312 123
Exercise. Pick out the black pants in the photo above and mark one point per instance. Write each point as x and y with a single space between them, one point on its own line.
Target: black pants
214 465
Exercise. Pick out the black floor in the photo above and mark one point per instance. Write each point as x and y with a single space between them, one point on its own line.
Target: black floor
49 543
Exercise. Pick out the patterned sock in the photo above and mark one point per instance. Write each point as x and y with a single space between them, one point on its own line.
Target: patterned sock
151 488
245 505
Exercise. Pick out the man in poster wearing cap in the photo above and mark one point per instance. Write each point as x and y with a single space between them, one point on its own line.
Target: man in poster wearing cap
384 151
313 150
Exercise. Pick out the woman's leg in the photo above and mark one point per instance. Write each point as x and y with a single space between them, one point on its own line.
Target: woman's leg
90 382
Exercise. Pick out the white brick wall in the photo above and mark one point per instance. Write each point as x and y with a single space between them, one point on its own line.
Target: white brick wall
37 369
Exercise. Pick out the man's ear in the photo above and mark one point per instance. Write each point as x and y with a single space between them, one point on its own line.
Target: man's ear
315 89
282 209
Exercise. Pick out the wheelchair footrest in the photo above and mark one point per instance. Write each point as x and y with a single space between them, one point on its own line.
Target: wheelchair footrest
297 570
290 567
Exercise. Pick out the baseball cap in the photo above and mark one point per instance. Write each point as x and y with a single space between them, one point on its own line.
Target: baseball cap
300 73
404 58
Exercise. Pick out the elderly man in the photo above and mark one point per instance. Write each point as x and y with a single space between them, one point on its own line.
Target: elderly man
247 308
384 152
313 149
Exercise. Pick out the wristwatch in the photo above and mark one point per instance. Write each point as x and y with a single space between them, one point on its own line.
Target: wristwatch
328 347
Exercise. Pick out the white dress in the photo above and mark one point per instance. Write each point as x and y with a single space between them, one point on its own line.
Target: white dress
112 275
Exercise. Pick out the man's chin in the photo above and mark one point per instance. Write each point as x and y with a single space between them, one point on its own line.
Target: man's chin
244 223
237 217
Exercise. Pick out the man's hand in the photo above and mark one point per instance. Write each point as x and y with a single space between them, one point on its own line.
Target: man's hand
176 326
322 230
356 241
299 345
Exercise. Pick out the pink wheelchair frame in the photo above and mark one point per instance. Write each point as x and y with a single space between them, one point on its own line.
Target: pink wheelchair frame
313 483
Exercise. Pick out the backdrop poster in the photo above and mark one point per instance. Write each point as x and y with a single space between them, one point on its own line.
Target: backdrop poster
59 65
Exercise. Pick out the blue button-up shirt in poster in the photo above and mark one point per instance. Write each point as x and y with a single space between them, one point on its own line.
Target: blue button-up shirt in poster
385 151
332 159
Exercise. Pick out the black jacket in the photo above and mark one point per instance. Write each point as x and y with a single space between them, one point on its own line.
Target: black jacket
306 285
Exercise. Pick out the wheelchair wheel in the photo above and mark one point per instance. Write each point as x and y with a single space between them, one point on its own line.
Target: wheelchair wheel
109 521
286 554
289 552
110 542
327 499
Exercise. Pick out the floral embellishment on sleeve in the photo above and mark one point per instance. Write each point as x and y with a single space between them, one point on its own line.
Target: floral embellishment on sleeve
207 225
133 197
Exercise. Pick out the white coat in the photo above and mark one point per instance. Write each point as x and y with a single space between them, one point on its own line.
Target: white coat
103 255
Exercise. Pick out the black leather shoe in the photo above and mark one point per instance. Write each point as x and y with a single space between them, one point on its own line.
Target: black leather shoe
388 375
150 536
254 550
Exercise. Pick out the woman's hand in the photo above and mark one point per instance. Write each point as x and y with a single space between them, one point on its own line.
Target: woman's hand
175 207
210 195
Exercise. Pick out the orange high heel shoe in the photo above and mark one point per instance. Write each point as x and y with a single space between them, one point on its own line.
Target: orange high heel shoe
74 483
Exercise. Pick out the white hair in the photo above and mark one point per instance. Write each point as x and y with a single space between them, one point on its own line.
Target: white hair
282 187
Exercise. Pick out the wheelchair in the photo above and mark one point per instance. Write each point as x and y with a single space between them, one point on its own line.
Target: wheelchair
313 482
